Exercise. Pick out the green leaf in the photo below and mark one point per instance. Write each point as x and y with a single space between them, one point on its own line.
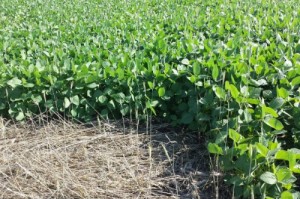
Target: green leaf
221 137
150 84
20 116
102 99
120 73
14 82
274 123
261 149
75 100
235 136
214 149
295 81
233 90
28 85
196 69
185 62
124 110
270 111
285 176
220 92
282 92
111 105
74 112
268 178
2 106
37 99
119 97
161 91
149 106
215 72
67 102
92 85
282 155
286 195
277 103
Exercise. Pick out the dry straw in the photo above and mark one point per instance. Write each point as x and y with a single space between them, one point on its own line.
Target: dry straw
60 159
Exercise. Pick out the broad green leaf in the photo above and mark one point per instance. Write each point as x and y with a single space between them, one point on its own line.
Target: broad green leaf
296 168
261 149
14 82
285 176
111 105
196 69
270 111
161 91
295 81
268 178
214 149
92 85
75 100
287 195
37 99
150 84
233 90
67 102
185 62
102 99
2 106
20 116
120 73
274 123
221 136
235 136
282 155
220 92
74 112
277 103
215 72
282 92
119 97
28 85
124 110
149 106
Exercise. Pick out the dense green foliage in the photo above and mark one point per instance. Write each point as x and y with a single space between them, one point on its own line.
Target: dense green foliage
230 69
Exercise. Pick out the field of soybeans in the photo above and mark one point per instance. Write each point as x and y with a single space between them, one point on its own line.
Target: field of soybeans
225 73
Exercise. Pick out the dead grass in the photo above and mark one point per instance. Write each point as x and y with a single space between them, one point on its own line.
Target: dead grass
60 159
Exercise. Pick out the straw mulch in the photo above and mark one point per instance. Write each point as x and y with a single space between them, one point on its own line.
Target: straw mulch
61 159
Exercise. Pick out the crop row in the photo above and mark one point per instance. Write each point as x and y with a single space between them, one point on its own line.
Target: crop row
230 69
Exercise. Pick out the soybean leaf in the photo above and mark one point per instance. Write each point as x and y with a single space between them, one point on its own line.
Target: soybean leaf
235 136
14 82
20 116
161 91
268 178
285 176
215 72
295 81
274 123
185 62
263 150
196 68
214 149
67 102
75 100
286 195
270 111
